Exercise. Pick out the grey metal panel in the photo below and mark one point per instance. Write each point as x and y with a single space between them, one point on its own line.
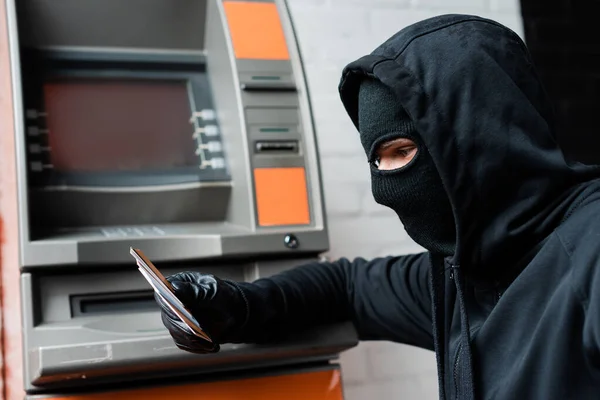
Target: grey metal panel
176 242
265 67
88 208
160 24
275 161
223 77
272 116
312 163
310 242
62 350
18 117
286 132
270 73
163 250
265 98
56 367
114 251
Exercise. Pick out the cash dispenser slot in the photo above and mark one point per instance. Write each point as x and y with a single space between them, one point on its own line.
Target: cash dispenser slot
123 302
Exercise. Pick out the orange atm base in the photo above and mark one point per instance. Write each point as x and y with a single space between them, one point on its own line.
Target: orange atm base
318 385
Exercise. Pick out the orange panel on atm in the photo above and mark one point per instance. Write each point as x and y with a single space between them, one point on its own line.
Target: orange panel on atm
256 31
281 196
322 385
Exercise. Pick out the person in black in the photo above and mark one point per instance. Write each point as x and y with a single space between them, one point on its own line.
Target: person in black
459 136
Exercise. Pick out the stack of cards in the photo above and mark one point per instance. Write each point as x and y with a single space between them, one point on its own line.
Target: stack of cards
164 289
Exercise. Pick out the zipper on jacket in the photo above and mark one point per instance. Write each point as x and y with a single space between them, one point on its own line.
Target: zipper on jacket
457 359
455 371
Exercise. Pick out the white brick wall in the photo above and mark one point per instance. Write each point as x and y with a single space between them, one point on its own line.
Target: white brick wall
332 33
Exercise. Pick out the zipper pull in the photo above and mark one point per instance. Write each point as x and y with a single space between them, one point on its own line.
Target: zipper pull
451 266
452 269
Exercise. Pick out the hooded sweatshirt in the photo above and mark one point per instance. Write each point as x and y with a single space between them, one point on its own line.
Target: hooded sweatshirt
514 313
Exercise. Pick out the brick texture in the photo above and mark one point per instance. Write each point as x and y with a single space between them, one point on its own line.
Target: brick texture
332 33
564 44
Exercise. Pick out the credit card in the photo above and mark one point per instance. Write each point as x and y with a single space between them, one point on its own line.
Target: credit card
166 292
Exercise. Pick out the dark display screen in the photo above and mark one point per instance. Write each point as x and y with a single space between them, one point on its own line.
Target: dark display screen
109 125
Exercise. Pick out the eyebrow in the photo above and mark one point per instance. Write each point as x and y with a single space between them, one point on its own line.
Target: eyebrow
392 142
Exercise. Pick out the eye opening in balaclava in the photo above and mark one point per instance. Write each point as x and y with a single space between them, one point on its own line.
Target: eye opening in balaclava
388 137
414 191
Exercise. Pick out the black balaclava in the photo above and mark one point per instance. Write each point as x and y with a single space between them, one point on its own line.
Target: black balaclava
415 191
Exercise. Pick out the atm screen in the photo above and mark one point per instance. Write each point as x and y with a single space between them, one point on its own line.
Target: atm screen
117 125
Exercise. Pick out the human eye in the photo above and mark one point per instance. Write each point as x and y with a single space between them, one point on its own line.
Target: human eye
395 154
404 152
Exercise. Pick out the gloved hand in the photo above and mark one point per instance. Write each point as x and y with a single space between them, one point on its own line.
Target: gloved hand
219 306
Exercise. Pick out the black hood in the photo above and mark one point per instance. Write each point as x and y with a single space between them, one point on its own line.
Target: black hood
470 87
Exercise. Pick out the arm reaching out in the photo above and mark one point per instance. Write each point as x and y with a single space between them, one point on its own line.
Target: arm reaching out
386 298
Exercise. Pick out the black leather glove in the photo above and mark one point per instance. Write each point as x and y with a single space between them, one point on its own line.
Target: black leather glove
220 307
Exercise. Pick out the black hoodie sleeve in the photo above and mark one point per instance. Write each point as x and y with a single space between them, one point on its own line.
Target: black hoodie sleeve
386 298
588 291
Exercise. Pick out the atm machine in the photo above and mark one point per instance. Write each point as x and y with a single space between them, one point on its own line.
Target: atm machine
182 128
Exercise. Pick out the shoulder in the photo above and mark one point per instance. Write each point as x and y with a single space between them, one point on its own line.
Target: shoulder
580 237
580 234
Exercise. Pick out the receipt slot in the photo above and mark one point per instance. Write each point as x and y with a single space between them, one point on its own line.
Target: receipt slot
181 128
